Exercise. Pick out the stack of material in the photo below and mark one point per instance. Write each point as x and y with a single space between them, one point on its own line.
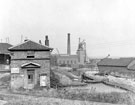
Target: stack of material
124 83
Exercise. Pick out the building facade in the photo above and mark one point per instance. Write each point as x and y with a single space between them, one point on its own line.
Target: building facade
30 65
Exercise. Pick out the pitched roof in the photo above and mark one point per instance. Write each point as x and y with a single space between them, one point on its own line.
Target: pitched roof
124 62
30 45
4 47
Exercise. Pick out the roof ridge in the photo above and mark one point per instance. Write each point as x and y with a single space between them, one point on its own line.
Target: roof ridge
18 44
28 42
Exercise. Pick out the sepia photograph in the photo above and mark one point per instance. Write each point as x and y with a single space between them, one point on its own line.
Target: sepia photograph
67 52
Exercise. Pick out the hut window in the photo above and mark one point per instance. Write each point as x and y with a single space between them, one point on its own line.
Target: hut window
30 54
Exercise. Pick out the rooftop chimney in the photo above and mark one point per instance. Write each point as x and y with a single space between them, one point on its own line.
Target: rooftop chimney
46 40
40 42
68 44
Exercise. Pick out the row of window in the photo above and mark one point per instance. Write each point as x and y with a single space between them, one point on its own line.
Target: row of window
67 62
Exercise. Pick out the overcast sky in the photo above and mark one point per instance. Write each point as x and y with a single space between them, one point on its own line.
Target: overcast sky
108 26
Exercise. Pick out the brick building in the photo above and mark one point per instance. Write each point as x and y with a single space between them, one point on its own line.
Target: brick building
124 67
30 65
4 58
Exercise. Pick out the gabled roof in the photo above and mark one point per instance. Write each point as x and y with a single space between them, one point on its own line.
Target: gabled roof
30 65
123 62
30 45
4 47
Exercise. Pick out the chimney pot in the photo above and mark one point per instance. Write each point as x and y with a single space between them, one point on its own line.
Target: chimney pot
46 40
40 42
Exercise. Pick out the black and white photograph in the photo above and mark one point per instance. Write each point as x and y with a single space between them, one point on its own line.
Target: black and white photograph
67 52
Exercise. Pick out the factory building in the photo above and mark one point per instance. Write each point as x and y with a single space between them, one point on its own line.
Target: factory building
68 59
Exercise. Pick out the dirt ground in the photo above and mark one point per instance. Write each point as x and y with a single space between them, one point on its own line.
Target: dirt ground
99 87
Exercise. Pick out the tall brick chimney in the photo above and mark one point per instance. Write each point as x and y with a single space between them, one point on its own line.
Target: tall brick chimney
68 44
46 40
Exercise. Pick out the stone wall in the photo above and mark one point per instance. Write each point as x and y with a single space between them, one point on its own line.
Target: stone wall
23 54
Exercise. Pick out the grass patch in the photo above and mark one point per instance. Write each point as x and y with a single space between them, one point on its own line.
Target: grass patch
77 94
113 97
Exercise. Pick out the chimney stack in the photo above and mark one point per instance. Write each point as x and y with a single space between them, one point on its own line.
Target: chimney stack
40 42
68 44
46 40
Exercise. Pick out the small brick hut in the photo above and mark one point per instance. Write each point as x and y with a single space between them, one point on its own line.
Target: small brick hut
30 65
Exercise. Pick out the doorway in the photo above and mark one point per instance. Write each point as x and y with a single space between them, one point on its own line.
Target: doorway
31 77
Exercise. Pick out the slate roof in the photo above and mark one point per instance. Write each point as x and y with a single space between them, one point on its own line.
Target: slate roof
4 47
30 45
122 62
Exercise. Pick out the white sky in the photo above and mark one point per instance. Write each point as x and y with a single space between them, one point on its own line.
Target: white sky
108 26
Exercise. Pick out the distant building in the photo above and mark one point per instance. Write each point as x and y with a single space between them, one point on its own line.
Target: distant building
30 65
68 59
118 67
4 57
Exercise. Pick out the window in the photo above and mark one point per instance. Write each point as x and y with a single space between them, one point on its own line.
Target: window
71 62
30 78
67 62
74 62
30 54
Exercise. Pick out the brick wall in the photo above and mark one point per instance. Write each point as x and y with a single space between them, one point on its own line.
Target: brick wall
119 71
23 54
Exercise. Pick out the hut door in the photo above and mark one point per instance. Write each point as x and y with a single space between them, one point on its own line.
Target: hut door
31 76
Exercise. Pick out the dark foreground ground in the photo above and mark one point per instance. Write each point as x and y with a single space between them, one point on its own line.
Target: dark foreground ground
17 99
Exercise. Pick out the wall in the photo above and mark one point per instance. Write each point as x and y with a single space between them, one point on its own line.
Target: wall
5 68
119 71
81 55
67 60
106 69
23 54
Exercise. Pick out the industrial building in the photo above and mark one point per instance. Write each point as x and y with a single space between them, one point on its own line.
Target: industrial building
80 58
